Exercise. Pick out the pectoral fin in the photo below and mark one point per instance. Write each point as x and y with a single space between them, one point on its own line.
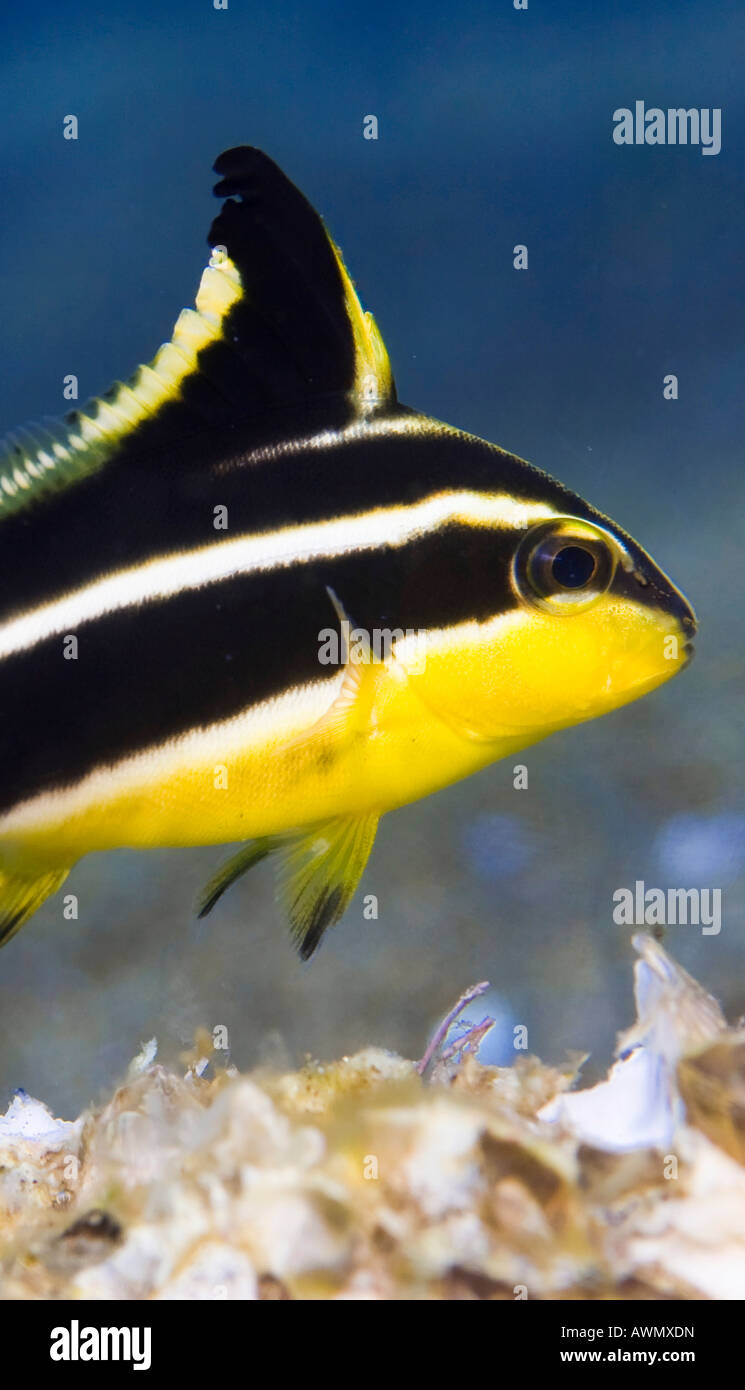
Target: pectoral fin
319 868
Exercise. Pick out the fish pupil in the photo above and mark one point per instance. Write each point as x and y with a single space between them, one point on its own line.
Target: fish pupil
573 567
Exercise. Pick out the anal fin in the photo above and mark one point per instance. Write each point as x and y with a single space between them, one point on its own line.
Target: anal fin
319 868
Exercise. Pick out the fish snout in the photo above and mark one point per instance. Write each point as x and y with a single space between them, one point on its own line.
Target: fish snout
650 583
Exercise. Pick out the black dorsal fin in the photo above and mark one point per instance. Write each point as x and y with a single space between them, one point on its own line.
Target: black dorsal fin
277 329
300 309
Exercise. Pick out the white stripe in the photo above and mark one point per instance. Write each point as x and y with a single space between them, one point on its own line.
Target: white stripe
192 569
385 426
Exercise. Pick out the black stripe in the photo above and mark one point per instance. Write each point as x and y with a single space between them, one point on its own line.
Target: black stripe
144 675
132 513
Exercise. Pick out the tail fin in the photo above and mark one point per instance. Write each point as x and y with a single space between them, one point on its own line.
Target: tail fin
21 894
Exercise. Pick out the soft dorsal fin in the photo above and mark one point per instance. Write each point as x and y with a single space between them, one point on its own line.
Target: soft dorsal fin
277 327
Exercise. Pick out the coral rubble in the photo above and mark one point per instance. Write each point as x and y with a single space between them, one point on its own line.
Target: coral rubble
364 1179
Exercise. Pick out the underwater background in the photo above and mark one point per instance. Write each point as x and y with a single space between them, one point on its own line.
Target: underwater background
495 128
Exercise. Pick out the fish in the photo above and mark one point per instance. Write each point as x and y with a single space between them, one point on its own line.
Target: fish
178 555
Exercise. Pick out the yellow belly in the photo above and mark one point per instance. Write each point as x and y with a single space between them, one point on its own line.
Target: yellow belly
255 775
310 754
277 769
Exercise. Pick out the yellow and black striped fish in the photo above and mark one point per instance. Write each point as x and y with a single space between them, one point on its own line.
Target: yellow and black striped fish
174 555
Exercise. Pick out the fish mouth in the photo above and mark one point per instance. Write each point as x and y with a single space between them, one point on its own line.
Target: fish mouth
687 631
690 629
689 621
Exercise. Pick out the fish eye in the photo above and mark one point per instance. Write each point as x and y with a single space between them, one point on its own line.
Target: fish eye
564 565
573 566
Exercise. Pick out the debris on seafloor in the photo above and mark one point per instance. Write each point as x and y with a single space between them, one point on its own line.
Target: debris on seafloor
363 1180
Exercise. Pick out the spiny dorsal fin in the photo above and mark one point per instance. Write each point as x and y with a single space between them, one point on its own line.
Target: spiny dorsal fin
277 327
41 458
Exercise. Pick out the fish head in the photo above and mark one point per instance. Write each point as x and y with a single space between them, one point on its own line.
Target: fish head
574 617
596 616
